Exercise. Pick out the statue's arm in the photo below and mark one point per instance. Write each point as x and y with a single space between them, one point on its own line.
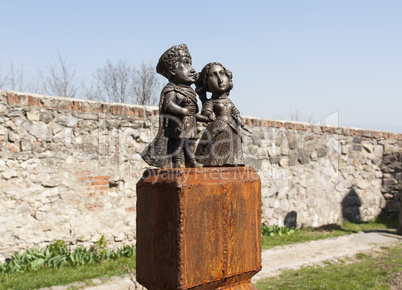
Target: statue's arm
201 118
171 107
239 121
208 110
236 116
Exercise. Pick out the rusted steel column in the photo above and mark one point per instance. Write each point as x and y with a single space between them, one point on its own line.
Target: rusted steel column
198 228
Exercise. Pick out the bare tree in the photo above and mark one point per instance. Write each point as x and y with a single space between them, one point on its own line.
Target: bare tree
3 77
113 82
296 116
59 79
14 79
17 79
93 92
147 85
121 82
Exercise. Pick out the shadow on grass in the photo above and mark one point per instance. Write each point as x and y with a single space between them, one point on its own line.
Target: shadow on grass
329 228
381 224
390 224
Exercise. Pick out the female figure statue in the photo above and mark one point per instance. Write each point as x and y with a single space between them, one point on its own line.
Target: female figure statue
221 142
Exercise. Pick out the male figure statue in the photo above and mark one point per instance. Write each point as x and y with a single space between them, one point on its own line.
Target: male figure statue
178 111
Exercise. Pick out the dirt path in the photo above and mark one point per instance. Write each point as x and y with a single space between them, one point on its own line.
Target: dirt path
309 253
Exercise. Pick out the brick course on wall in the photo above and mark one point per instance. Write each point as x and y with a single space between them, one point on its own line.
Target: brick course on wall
69 167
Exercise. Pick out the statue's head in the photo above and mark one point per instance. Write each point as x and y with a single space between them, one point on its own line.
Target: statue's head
214 78
175 64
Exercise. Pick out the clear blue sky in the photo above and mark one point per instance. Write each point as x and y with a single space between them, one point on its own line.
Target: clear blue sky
316 57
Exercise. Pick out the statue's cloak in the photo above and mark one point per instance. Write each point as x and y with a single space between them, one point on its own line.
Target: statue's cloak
156 153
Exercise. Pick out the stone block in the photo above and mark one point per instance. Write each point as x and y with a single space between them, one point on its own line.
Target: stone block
379 151
284 162
293 145
303 158
363 184
66 120
293 159
322 151
261 153
275 159
253 162
389 181
39 130
396 165
10 173
368 147
33 116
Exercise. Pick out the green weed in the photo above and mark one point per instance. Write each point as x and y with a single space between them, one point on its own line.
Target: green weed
273 236
269 231
57 254
47 277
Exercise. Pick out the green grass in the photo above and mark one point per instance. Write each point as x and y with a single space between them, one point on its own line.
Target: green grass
65 275
45 277
368 272
312 234
382 223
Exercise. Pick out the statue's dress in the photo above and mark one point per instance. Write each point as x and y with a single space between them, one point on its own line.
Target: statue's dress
220 144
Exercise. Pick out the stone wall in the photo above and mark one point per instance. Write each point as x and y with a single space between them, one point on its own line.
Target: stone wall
68 170
314 175
392 176
392 184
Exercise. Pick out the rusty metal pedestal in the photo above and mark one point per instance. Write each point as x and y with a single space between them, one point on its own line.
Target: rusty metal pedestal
198 228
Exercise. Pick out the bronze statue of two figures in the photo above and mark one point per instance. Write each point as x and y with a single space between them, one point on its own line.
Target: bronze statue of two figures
175 144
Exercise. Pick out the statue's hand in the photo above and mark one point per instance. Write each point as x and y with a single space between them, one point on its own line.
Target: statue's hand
185 112
201 118
211 117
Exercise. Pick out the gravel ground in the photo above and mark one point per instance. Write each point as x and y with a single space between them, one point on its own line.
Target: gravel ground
315 252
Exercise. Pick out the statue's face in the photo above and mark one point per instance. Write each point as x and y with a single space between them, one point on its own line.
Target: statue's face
184 73
217 80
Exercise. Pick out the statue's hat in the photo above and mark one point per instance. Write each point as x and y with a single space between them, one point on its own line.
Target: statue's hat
170 58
